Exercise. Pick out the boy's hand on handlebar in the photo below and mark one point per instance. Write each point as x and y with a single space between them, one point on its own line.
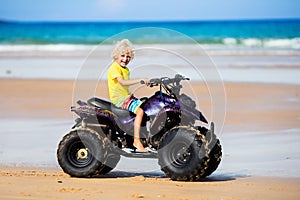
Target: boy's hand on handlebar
144 81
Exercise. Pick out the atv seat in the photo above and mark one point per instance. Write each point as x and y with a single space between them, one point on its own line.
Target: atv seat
100 103
103 104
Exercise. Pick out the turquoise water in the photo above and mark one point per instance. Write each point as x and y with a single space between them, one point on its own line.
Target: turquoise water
259 33
251 51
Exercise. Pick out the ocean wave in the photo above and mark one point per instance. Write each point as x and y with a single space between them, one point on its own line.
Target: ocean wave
224 44
229 47
45 47
279 43
293 43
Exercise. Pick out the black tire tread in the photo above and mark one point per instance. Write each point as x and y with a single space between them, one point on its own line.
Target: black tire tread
64 163
199 170
215 156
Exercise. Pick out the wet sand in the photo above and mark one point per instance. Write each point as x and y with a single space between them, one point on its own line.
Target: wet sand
253 106
260 146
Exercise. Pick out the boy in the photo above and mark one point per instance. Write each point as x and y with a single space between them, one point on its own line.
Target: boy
118 83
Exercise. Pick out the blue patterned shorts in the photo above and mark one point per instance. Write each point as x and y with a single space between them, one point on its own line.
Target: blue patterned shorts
130 103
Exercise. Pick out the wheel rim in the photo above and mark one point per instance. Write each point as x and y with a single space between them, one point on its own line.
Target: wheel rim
79 155
179 155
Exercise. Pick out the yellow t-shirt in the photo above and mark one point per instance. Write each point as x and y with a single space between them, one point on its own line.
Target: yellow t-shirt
115 89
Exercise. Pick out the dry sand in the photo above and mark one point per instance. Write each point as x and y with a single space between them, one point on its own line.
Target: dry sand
19 183
250 107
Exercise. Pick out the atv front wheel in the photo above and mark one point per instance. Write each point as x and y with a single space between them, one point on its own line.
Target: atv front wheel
183 154
215 156
215 150
81 152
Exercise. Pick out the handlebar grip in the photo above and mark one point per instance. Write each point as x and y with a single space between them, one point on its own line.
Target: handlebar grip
142 82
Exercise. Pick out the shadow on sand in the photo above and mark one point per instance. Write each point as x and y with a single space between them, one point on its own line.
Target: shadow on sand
160 175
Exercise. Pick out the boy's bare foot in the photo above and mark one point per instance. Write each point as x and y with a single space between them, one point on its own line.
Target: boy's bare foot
139 146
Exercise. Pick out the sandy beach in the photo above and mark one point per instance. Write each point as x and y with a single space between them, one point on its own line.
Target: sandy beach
243 65
52 184
260 142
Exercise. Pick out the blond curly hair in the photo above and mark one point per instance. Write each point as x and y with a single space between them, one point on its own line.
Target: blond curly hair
123 46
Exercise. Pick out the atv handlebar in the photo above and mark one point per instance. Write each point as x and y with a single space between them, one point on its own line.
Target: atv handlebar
167 80
172 85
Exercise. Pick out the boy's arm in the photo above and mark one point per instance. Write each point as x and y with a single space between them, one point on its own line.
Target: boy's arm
131 81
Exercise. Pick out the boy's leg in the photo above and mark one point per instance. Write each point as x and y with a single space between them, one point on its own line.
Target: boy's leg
137 127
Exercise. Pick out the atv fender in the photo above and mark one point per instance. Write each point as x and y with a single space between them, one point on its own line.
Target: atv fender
173 114
164 118
192 114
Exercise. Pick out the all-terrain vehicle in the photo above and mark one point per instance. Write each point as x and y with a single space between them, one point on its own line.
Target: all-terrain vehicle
102 133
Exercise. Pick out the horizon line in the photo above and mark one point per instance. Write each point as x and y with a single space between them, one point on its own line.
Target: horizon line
148 21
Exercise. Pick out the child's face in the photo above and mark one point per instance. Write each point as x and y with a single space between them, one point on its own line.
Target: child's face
124 59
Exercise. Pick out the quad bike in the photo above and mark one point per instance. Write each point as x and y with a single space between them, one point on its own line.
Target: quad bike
103 133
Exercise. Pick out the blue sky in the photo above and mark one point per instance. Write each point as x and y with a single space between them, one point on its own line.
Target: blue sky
140 10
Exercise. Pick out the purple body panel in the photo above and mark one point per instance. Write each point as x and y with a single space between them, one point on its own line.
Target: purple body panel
155 107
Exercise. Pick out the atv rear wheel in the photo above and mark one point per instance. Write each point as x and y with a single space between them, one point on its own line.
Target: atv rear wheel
81 152
110 163
183 154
